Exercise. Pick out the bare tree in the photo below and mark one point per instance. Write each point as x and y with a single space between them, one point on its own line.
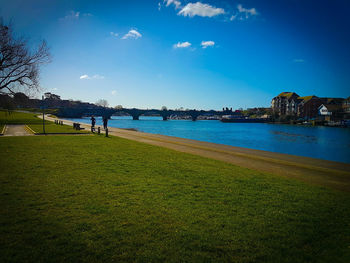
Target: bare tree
102 103
19 65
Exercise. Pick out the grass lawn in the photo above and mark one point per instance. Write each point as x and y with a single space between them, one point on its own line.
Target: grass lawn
15 117
92 198
36 124
54 128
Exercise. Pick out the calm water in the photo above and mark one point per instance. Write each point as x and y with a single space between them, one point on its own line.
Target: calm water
318 142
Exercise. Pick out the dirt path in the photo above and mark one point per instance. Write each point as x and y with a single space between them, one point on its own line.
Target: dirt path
321 172
16 130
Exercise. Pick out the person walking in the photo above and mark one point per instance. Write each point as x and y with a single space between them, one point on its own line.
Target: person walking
105 121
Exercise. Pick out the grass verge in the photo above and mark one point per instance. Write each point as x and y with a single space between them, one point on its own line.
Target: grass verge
34 123
15 117
66 198
54 128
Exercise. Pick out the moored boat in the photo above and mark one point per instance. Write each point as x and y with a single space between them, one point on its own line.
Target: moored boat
242 119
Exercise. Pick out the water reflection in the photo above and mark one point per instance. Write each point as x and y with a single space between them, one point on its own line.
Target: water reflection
293 137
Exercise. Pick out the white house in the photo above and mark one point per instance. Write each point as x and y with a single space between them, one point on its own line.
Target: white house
323 111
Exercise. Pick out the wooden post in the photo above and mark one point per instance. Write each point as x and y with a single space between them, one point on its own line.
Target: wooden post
43 115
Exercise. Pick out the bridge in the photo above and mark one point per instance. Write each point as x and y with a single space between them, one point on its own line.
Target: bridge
136 113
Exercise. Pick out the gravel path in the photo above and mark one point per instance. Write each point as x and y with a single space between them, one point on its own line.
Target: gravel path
16 130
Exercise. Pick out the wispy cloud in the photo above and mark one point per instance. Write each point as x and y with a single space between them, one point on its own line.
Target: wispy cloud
206 44
176 3
113 34
243 13
114 92
91 77
182 45
233 17
71 15
199 9
298 60
251 11
132 34
74 15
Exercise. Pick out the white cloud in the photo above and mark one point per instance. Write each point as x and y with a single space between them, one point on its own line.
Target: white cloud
245 13
206 44
113 34
132 34
298 60
98 77
114 92
174 2
54 89
159 6
71 15
182 45
233 17
84 77
75 15
199 9
92 77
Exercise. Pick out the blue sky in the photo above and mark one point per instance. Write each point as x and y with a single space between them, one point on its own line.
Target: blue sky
192 54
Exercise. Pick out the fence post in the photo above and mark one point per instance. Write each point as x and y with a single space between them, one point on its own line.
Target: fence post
106 132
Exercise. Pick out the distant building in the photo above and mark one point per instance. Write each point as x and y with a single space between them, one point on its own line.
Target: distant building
308 106
331 112
285 103
51 96
346 108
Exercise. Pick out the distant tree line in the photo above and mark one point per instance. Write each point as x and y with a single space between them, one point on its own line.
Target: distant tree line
52 101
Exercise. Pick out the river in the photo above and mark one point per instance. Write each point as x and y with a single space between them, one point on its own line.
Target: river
326 143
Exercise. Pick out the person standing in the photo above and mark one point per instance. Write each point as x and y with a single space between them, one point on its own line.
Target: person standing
93 122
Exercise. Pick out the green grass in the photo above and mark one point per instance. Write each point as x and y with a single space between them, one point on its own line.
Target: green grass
36 124
14 117
54 128
92 198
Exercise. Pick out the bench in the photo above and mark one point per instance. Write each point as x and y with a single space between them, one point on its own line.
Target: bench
76 126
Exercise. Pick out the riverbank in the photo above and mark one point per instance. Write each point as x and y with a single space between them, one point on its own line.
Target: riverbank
315 171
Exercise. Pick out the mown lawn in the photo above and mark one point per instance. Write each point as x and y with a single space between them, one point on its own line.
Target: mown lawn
15 117
36 124
92 198
54 128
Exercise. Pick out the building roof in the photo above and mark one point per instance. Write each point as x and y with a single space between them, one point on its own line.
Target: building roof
288 94
333 100
307 98
332 107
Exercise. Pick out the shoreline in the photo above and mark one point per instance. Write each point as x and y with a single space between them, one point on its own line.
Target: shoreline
311 170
